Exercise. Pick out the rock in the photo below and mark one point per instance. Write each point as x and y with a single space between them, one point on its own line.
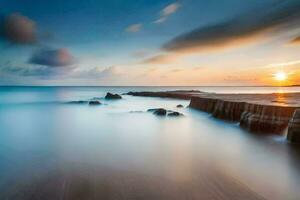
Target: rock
164 112
78 102
94 103
111 96
174 114
294 128
170 94
158 111
179 106
265 118
153 109
251 116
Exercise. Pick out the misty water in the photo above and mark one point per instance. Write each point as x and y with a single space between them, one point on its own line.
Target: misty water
40 133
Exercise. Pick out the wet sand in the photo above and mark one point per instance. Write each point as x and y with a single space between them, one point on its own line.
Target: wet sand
94 184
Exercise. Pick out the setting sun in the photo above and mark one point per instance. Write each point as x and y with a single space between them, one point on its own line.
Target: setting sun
280 76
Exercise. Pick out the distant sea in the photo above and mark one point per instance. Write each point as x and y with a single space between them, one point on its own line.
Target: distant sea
49 93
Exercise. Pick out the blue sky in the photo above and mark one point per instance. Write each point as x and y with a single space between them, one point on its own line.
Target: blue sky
147 42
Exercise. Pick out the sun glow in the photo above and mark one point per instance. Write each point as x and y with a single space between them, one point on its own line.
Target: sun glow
280 76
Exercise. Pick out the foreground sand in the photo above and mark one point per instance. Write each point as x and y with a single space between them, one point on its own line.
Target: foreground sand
94 184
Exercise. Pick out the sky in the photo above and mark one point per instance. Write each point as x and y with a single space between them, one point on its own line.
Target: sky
150 42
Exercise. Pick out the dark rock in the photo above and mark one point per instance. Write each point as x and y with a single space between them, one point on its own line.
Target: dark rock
111 96
174 114
158 111
253 117
78 102
94 103
179 106
294 128
154 109
170 94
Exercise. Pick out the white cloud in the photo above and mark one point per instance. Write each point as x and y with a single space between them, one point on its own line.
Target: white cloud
134 28
167 11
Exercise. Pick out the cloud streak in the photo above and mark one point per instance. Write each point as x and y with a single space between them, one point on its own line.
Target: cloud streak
21 71
134 28
167 11
295 41
241 29
157 59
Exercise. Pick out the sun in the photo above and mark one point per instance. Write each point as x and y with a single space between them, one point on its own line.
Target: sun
280 76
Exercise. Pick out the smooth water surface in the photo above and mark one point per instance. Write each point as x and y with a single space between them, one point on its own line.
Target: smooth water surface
41 134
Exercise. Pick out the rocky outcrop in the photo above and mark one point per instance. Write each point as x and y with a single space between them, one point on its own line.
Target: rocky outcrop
264 113
171 94
174 114
164 112
158 111
94 103
111 96
179 106
294 128
253 117
266 118
78 102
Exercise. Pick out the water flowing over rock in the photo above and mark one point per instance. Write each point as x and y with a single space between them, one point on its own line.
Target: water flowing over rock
253 117
263 113
294 128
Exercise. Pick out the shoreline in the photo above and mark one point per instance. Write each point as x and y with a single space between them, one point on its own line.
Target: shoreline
261 113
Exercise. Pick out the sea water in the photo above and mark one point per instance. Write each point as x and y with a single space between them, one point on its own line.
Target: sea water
41 133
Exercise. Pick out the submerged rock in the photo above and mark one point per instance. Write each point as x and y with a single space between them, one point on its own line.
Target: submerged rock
153 109
158 111
164 112
94 103
174 114
78 102
179 106
111 96
294 128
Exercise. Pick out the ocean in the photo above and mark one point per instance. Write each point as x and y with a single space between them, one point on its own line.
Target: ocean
45 141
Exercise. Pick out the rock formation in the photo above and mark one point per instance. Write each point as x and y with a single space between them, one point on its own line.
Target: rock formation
158 111
253 117
263 113
78 102
94 103
174 114
294 128
164 112
111 96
